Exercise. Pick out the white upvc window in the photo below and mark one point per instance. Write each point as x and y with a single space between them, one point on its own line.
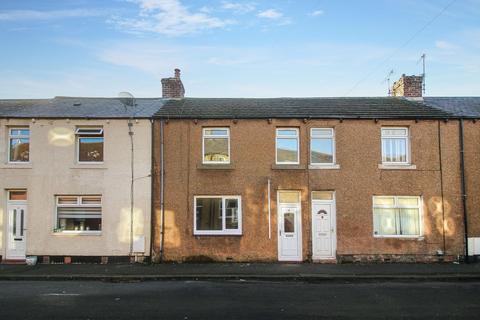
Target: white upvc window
89 144
322 146
216 145
287 146
218 215
397 216
395 145
78 214
19 145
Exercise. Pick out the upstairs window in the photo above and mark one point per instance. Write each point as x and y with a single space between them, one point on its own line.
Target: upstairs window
89 144
19 145
79 213
216 145
396 216
395 146
322 146
287 146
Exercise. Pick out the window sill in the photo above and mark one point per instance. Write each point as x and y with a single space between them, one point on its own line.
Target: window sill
78 233
215 166
100 166
288 167
13 165
324 166
397 166
415 238
217 233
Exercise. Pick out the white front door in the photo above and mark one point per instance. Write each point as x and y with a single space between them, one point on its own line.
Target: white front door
16 245
289 233
323 231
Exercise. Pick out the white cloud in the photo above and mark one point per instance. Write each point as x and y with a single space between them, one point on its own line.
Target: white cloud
17 15
317 13
270 14
169 17
445 45
239 7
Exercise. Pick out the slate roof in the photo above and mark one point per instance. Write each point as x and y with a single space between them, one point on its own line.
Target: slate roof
252 108
459 106
77 107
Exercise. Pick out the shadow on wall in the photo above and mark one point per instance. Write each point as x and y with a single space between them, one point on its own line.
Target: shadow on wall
123 229
61 137
434 206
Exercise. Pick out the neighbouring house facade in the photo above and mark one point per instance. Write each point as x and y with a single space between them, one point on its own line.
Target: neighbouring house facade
314 179
468 108
65 179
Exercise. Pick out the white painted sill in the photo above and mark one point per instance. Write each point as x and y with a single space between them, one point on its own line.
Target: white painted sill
324 166
89 165
397 166
77 233
415 238
227 234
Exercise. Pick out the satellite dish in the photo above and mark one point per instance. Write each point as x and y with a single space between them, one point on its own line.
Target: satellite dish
126 98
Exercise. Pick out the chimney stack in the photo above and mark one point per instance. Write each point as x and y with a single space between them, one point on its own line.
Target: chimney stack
408 86
172 88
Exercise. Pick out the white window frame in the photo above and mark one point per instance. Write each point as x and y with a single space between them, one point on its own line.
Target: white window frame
396 206
224 230
407 145
297 137
10 137
330 136
207 136
88 131
77 204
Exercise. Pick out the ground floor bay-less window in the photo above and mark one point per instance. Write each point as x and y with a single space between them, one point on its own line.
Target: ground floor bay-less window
79 214
217 215
397 216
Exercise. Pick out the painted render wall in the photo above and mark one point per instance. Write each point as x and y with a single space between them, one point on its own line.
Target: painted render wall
358 153
53 171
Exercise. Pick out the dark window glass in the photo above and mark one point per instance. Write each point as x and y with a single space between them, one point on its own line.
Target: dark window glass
231 213
209 214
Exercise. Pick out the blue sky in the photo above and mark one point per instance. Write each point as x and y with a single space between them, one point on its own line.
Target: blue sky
236 48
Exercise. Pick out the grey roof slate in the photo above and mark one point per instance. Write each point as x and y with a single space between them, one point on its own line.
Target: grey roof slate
459 106
252 108
67 107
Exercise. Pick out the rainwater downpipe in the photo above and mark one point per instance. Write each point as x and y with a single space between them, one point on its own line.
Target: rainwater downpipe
162 191
464 193
269 212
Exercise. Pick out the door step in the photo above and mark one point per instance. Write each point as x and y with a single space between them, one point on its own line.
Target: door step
14 261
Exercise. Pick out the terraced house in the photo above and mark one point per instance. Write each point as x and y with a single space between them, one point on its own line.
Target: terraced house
308 179
66 179
212 179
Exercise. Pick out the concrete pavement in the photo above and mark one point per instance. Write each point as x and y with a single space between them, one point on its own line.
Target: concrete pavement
250 271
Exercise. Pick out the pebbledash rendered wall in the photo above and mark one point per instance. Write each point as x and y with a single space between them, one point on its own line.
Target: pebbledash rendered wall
358 152
472 178
53 171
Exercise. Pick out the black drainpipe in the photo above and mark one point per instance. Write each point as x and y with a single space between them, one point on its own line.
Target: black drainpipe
152 181
162 191
464 193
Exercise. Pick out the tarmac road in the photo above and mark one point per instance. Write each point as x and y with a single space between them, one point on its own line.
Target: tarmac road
238 300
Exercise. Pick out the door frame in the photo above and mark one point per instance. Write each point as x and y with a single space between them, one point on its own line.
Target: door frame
7 225
333 220
298 206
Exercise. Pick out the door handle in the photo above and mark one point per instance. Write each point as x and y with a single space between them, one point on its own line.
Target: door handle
280 232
